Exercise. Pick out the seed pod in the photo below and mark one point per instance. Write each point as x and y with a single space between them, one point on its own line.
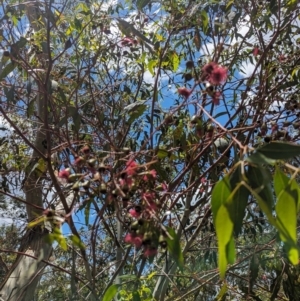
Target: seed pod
101 167
114 193
103 188
221 144
126 150
85 149
85 184
134 226
189 64
195 119
92 162
75 176
147 238
76 187
169 119
188 77
267 139
162 241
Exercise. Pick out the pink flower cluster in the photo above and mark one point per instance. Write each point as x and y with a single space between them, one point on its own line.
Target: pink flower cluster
64 174
184 92
144 231
214 73
134 239
128 42
137 241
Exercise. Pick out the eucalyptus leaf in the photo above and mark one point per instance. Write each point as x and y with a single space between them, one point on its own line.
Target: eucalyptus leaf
174 247
110 293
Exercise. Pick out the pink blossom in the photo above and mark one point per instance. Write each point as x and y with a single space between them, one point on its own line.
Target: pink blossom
153 173
203 180
281 58
64 174
150 251
129 238
218 75
131 168
184 92
214 73
208 68
164 186
138 240
148 196
127 42
150 175
134 213
134 239
255 51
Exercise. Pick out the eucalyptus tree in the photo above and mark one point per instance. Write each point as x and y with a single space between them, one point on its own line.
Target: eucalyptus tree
152 144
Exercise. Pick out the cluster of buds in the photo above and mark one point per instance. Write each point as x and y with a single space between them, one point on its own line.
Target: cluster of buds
278 131
143 234
214 75
202 130
135 187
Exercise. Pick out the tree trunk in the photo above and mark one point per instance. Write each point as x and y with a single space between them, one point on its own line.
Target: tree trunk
25 273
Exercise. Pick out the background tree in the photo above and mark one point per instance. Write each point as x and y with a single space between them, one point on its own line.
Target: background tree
154 146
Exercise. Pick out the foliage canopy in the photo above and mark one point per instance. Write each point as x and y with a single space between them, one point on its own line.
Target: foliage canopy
150 150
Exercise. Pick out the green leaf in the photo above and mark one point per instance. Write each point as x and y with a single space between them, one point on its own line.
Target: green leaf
220 114
140 4
136 296
128 277
57 236
87 212
230 251
293 254
162 153
8 68
15 48
77 24
224 229
221 192
259 158
260 179
138 112
279 150
134 107
174 247
10 93
286 210
77 242
204 18
110 293
236 205
175 60
151 65
222 293
37 221
129 29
